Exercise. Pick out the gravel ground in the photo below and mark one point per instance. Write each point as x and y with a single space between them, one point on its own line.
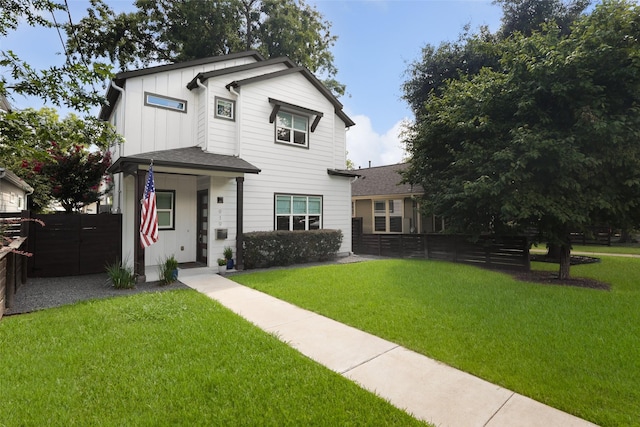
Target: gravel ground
47 292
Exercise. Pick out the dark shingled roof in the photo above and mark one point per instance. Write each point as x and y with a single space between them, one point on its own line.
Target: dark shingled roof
187 158
382 180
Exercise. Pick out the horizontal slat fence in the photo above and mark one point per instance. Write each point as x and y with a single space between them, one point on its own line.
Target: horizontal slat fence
498 252
504 253
595 236
400 245
74 244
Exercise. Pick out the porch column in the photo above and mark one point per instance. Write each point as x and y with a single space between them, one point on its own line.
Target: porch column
138 250
239 220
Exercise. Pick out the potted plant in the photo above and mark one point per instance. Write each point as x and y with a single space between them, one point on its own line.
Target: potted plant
168 270
228 256
222 265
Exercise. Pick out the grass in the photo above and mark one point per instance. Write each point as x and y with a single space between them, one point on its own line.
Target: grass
169 358
575 349
615 248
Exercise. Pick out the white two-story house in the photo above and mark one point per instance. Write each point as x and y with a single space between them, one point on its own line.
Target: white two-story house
238 144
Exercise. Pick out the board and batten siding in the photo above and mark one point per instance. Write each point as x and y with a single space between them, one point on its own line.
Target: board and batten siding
152 129
222 135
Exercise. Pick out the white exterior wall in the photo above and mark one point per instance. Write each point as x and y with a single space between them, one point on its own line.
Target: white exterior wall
290 169
12 198
179 242
285 169
150 128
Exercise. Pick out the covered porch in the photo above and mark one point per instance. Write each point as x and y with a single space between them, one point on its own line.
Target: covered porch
200 199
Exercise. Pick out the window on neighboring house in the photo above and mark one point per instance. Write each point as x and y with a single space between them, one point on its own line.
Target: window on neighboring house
387 216
165 102
225 109
20 202
292 129
298 212
165 206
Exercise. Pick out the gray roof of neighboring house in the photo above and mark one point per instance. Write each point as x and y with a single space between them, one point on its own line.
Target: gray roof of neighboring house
186 158
381 181
14 179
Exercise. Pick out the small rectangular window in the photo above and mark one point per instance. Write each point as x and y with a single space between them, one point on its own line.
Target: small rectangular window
165 102
165 206
292 129
225 109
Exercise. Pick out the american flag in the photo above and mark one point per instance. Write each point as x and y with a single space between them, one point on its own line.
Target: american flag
149 214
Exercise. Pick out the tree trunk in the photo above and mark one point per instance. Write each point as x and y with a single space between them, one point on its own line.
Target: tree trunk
565 261
553 251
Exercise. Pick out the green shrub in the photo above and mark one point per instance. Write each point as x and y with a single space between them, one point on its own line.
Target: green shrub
279 248
168 270
121 275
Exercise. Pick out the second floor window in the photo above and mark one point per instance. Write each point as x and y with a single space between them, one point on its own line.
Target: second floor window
292 129
165 102
225 109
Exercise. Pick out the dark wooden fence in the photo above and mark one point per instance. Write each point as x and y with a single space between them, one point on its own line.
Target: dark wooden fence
73 244
595 236
391 245
504 253
498 252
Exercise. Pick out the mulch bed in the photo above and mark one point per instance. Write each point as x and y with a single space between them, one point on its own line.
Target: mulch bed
551 278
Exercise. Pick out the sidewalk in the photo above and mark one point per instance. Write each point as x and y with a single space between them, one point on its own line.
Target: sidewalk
428 389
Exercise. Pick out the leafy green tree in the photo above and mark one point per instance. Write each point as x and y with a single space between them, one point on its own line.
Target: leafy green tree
549 142
527 16
25 142
75 84
473 51
168 31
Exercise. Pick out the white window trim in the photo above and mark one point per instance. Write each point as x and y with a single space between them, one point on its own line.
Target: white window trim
387 216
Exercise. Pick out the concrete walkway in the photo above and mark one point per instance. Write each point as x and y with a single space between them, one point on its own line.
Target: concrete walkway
430 390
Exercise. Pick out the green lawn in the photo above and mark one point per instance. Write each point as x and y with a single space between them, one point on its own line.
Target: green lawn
575 349
169 358
615 248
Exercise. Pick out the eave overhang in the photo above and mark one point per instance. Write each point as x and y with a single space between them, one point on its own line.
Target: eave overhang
189 161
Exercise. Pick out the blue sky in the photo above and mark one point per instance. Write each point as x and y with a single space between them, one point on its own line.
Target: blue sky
377 39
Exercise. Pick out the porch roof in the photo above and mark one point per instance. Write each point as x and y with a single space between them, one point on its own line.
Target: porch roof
184 158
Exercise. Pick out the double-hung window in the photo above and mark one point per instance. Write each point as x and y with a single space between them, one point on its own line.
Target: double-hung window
165 206
292 129
298 212
387 216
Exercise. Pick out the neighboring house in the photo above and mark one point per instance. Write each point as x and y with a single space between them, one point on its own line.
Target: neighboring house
386 205
238 144
13 192
5 107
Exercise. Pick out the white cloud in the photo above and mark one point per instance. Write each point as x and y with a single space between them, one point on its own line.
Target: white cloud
364 145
